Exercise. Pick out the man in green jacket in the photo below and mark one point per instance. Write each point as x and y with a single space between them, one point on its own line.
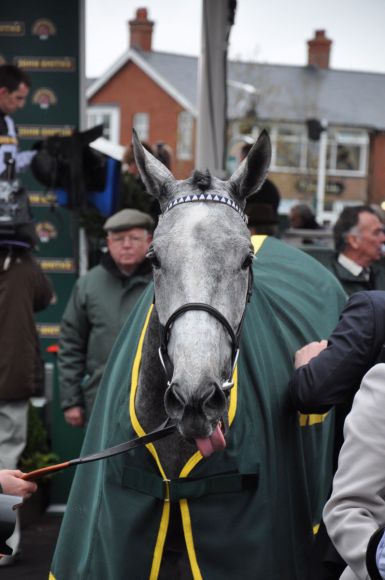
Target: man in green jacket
98 307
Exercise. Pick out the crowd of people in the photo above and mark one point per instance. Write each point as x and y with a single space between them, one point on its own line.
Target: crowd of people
346 366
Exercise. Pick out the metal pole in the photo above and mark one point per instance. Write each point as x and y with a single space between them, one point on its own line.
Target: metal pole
321 178
212 97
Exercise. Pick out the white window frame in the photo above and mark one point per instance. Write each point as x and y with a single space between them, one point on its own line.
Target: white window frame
96 115
185 131
336 135
357 137
300 137
141 124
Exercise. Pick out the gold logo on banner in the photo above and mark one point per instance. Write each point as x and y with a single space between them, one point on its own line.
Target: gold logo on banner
43 28
46 231
48 330
44 97
57 265
7 140
15 28
42 64
46 199
42 131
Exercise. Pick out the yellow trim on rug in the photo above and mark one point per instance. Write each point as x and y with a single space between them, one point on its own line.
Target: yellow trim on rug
189 466
257 242
51 576
134 385
160 540
187 529
164 521
307 420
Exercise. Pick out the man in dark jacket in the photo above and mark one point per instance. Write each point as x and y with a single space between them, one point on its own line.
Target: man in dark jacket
24 290
358 239
97 309
328 373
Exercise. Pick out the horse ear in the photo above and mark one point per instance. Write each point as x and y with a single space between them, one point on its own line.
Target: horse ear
251 173
154 174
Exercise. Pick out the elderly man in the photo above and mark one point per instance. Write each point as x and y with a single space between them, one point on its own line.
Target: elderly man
98 307
358 238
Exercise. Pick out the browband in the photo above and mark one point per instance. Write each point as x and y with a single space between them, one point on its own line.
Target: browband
207 197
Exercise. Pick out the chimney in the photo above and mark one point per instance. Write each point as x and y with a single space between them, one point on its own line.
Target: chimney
141 31
319 50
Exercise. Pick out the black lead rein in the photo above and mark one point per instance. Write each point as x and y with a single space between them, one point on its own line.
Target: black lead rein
163 431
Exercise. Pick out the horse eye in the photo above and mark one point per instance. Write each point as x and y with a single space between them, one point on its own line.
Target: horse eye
153 257
248 261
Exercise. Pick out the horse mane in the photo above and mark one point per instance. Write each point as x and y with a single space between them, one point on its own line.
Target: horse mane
201 180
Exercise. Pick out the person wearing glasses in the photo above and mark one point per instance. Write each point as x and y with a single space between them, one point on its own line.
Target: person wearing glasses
99 305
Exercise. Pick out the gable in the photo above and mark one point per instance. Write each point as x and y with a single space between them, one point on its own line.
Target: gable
132 56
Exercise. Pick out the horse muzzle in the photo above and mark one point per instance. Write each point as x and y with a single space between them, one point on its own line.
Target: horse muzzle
200 416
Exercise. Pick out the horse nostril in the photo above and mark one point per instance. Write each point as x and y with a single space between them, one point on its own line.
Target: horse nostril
214 403
174 402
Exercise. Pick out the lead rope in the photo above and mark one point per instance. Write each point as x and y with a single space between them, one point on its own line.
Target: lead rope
164 430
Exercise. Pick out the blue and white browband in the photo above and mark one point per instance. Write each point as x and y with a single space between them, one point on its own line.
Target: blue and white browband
206 197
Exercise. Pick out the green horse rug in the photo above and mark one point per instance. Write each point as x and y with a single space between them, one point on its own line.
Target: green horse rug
248 511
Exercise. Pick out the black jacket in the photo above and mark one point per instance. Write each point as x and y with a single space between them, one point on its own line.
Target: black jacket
333 377
354 347
24 290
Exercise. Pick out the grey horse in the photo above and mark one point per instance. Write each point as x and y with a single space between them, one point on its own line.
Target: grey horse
215 239
238 490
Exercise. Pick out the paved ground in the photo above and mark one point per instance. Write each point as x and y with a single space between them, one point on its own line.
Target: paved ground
38 543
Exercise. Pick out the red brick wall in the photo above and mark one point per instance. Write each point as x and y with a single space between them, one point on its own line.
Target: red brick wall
135 92
377 168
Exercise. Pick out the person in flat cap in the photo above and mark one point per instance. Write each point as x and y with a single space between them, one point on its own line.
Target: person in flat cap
99 305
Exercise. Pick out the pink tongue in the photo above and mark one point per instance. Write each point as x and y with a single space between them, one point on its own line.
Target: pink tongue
215 442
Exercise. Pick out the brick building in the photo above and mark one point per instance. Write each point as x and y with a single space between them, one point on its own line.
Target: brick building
156 93
148 91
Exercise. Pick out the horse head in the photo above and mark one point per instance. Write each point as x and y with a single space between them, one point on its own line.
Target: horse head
201 256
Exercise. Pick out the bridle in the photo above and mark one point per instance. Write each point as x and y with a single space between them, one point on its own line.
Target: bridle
202 306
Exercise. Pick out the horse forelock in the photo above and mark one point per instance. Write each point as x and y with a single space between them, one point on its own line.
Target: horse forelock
201 180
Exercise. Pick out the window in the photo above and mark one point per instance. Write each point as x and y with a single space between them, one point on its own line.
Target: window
347 151
289 144
141 124
110 117
292 151
185 136
288 148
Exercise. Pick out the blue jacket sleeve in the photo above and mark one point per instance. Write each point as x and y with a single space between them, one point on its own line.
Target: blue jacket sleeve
335 374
